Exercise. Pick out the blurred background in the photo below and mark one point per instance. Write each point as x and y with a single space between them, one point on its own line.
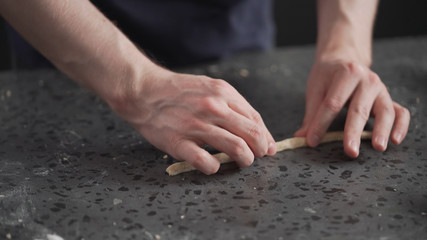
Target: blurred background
296 23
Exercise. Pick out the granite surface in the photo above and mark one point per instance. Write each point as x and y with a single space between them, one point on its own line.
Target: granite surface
71 169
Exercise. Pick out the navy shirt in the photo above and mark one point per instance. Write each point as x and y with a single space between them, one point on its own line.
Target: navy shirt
181 32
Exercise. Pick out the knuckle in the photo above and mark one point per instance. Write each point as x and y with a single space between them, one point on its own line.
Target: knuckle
348 66
255 131
362 110
203 77
256 117
389 111
383 88
375 81
406 112
353 68
334 104
403 111
242 154
174 145
221 83
239 148
210 104
220 86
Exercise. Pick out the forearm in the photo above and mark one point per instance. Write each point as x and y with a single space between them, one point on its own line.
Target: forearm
80 41
345 26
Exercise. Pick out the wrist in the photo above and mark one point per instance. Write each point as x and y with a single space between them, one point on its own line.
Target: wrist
135 78
344 48
345 30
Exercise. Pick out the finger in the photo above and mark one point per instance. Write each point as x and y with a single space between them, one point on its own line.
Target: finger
401 124
253 132
384 117
344 83
313 100
314 95
239 105
232 145
253 116
359 112
197 157
301 131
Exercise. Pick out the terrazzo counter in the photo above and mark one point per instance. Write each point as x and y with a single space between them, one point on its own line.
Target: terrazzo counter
71 169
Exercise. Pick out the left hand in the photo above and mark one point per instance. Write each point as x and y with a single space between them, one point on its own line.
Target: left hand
334 82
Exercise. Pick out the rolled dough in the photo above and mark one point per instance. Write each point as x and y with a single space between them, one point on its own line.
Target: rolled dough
290 143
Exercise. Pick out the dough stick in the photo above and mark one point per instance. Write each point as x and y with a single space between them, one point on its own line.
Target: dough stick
290 143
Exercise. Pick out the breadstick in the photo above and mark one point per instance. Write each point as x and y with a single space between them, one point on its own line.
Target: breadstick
290 143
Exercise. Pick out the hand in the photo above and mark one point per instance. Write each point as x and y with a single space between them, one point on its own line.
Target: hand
179 113
332 84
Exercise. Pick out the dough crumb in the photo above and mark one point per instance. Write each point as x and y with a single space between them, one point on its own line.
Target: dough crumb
8 236
157 236
8 93
309 210
244 73
53 237
117 201
165 156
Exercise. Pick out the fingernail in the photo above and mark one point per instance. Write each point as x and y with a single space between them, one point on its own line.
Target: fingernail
381 141
354 145
398 137
315 140
271 148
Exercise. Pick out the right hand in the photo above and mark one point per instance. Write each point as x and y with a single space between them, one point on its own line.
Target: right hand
179 113
332 83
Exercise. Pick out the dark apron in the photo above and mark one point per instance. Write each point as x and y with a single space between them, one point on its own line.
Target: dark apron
179 32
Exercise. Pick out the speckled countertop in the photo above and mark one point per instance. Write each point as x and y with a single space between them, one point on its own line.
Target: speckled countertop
70 169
